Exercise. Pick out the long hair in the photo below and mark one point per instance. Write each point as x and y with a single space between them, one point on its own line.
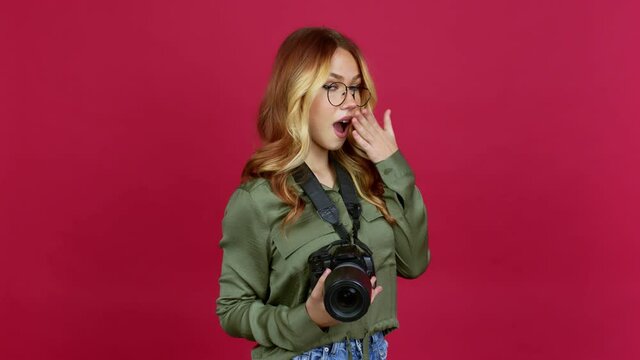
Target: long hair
300 69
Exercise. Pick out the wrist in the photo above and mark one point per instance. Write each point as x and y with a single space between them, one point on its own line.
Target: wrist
319 316
385 157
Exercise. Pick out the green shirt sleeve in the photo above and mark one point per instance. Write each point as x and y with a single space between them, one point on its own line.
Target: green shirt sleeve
411 236
244 283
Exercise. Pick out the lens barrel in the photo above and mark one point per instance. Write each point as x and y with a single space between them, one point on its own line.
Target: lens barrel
347 292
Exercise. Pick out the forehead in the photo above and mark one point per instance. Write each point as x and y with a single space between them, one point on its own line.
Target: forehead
343 65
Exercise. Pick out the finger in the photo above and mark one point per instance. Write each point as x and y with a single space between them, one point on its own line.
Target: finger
388 127
360 124
374 288
365 122
361 141
370 124
368 114
318 290
375 293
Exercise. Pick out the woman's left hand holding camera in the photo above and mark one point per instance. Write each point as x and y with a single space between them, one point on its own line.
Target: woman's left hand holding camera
315 302
379 143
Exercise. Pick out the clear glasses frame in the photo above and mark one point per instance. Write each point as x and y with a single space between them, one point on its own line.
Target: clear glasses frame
342 89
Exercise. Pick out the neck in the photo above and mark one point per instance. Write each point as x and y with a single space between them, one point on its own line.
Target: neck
318 162
317 159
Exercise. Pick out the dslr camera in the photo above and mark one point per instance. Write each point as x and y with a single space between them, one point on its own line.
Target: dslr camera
347 290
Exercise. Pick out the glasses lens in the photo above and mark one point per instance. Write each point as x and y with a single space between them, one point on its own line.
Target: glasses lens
362 96
337 93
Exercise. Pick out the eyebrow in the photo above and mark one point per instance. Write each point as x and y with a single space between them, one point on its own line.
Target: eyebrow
341 78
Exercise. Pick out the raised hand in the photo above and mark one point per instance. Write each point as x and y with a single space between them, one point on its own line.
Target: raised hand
378 143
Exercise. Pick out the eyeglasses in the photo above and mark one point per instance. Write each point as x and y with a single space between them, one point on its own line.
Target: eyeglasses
337 93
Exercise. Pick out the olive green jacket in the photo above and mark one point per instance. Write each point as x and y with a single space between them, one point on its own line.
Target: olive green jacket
264 281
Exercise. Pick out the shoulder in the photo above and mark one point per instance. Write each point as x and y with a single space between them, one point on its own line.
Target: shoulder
255 185
259 189
255 197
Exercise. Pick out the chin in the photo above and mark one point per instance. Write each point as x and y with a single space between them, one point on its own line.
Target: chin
331 144
336 146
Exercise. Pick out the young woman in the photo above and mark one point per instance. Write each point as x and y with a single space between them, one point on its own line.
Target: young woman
318 111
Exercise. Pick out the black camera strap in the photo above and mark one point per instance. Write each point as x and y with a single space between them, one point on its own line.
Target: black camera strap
326 208
349 196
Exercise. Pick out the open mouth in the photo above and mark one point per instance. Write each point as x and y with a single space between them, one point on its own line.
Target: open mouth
341 127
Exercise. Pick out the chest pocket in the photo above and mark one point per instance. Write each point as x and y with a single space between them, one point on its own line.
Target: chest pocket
310 232
369 212
376 232
306 235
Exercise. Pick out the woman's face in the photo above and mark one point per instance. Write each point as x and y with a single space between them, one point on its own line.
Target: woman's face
329 125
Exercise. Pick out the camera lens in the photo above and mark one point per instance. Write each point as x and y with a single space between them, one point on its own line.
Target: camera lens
347 292
347 298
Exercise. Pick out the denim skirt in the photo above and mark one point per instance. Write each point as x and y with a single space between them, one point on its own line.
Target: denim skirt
340 350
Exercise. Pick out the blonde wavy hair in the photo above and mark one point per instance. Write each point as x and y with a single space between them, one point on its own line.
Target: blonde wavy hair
301 68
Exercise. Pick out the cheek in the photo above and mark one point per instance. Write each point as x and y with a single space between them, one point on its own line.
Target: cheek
315 127
320 109
318 114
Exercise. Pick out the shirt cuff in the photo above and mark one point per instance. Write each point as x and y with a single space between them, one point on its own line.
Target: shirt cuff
395 172
309 332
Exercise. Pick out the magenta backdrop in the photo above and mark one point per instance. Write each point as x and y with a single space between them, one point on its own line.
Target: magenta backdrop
124 126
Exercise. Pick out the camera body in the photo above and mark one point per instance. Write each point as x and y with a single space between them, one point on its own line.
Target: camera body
347 290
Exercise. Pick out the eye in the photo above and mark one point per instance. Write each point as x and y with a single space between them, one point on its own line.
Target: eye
330 87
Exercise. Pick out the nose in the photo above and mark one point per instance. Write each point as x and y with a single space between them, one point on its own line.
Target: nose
350 102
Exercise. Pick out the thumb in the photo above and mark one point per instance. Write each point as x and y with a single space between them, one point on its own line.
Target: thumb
318 290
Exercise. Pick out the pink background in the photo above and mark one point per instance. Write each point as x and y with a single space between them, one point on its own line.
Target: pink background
124 126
